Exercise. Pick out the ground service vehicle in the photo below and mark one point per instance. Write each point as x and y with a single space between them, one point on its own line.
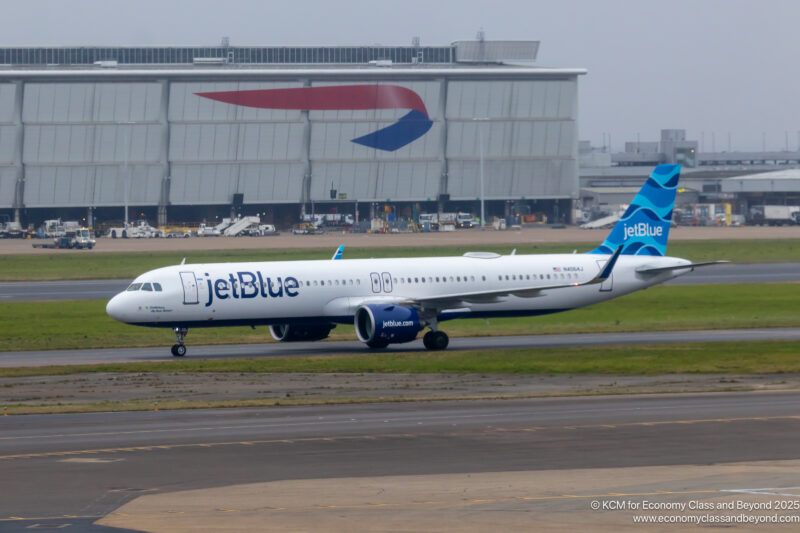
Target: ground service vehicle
774 215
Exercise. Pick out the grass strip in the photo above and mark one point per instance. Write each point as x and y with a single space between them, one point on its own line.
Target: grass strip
83 324
752 357
128 265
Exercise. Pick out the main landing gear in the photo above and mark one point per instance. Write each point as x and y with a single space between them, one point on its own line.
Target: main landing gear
179 349
435 340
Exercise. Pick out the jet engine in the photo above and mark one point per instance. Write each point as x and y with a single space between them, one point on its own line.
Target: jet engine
381 325
300 332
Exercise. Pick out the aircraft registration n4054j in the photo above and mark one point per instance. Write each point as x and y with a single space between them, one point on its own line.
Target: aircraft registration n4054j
392 300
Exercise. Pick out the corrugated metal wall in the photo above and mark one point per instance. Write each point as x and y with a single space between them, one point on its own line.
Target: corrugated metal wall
81 143
408 173
9 144
529 138
218 149
84 143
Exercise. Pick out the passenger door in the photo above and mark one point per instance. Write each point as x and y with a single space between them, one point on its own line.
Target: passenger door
189 288
387 282
376 282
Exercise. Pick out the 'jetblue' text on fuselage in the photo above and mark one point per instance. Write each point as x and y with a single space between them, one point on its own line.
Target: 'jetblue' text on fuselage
246 285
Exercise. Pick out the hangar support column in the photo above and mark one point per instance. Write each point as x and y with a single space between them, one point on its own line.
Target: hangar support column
443 177
19 166
163 119
305 157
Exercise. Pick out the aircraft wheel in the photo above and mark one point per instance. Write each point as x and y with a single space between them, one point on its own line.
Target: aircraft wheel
178 350
377 344
438 340
426 340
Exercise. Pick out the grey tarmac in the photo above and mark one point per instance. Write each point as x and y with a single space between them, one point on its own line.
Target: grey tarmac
322 348
39 291
74 469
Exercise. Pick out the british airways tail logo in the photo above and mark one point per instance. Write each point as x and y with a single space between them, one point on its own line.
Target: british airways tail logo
407 129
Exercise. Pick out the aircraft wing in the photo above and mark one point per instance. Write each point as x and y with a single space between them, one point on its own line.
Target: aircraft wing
443 301
658 270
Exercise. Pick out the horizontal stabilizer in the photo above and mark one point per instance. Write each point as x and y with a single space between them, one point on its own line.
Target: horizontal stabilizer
658 270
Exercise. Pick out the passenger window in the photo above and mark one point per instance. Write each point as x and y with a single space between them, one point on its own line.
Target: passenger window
483 278
134 287
506 277
437 279
416 280
500 278
472 278
541 276
157 286
458 278
147 287
548 276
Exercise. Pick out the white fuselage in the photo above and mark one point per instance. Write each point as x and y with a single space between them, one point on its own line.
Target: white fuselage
227 294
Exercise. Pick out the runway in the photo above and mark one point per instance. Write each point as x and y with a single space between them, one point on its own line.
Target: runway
74 469
37 291
321 348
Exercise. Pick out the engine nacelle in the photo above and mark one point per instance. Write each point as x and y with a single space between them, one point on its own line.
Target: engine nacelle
300 332
380 325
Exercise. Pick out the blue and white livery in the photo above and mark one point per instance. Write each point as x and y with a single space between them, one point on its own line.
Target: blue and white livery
391 300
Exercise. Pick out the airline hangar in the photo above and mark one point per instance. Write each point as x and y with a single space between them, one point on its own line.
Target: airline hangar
183 134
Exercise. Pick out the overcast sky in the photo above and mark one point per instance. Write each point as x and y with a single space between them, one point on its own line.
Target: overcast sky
721 66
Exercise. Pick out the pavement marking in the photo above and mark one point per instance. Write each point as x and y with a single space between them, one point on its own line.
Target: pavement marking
457 502
88 460
151 447
769 491
60 517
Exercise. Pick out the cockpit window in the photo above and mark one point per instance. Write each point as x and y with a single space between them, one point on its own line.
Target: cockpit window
134 287
147 287
157 286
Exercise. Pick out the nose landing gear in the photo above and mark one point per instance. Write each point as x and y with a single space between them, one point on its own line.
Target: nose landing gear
179 349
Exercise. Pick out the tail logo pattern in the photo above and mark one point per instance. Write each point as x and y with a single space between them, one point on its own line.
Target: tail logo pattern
644 228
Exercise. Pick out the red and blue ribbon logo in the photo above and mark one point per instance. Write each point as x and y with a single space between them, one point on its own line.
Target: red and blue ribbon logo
409 128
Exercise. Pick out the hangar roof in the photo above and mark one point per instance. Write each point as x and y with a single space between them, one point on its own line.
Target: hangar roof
272 72
787 180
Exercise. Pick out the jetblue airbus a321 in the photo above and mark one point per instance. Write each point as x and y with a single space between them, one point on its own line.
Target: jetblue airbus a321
391 300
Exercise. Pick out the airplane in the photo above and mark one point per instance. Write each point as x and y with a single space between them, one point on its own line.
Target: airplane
389 301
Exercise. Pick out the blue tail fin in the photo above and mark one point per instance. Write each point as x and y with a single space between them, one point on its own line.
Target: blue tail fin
644 228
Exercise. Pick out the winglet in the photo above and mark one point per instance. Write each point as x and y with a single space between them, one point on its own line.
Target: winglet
608 267
338 253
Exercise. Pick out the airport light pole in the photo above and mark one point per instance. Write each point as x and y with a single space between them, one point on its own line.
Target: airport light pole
480 121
